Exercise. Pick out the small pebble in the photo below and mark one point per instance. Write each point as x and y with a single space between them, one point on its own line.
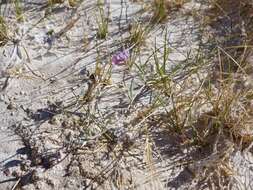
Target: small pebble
10 106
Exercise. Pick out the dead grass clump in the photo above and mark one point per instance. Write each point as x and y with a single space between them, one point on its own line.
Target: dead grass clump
218 133
211 119
212 122
230 112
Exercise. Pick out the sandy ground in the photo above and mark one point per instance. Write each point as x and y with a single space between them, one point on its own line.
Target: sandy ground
39 117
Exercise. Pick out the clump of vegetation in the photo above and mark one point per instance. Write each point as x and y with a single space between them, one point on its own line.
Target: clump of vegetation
3 32
52 2
18 11
138 35
102 21
207 117
160 11
72 3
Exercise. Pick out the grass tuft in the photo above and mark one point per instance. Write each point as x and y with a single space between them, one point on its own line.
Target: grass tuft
138 35
18 11
52 2
102 21
160 11
3 32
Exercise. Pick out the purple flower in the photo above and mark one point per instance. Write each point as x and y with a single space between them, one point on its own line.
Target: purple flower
120 57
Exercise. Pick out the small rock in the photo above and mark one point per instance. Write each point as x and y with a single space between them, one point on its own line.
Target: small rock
10 106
